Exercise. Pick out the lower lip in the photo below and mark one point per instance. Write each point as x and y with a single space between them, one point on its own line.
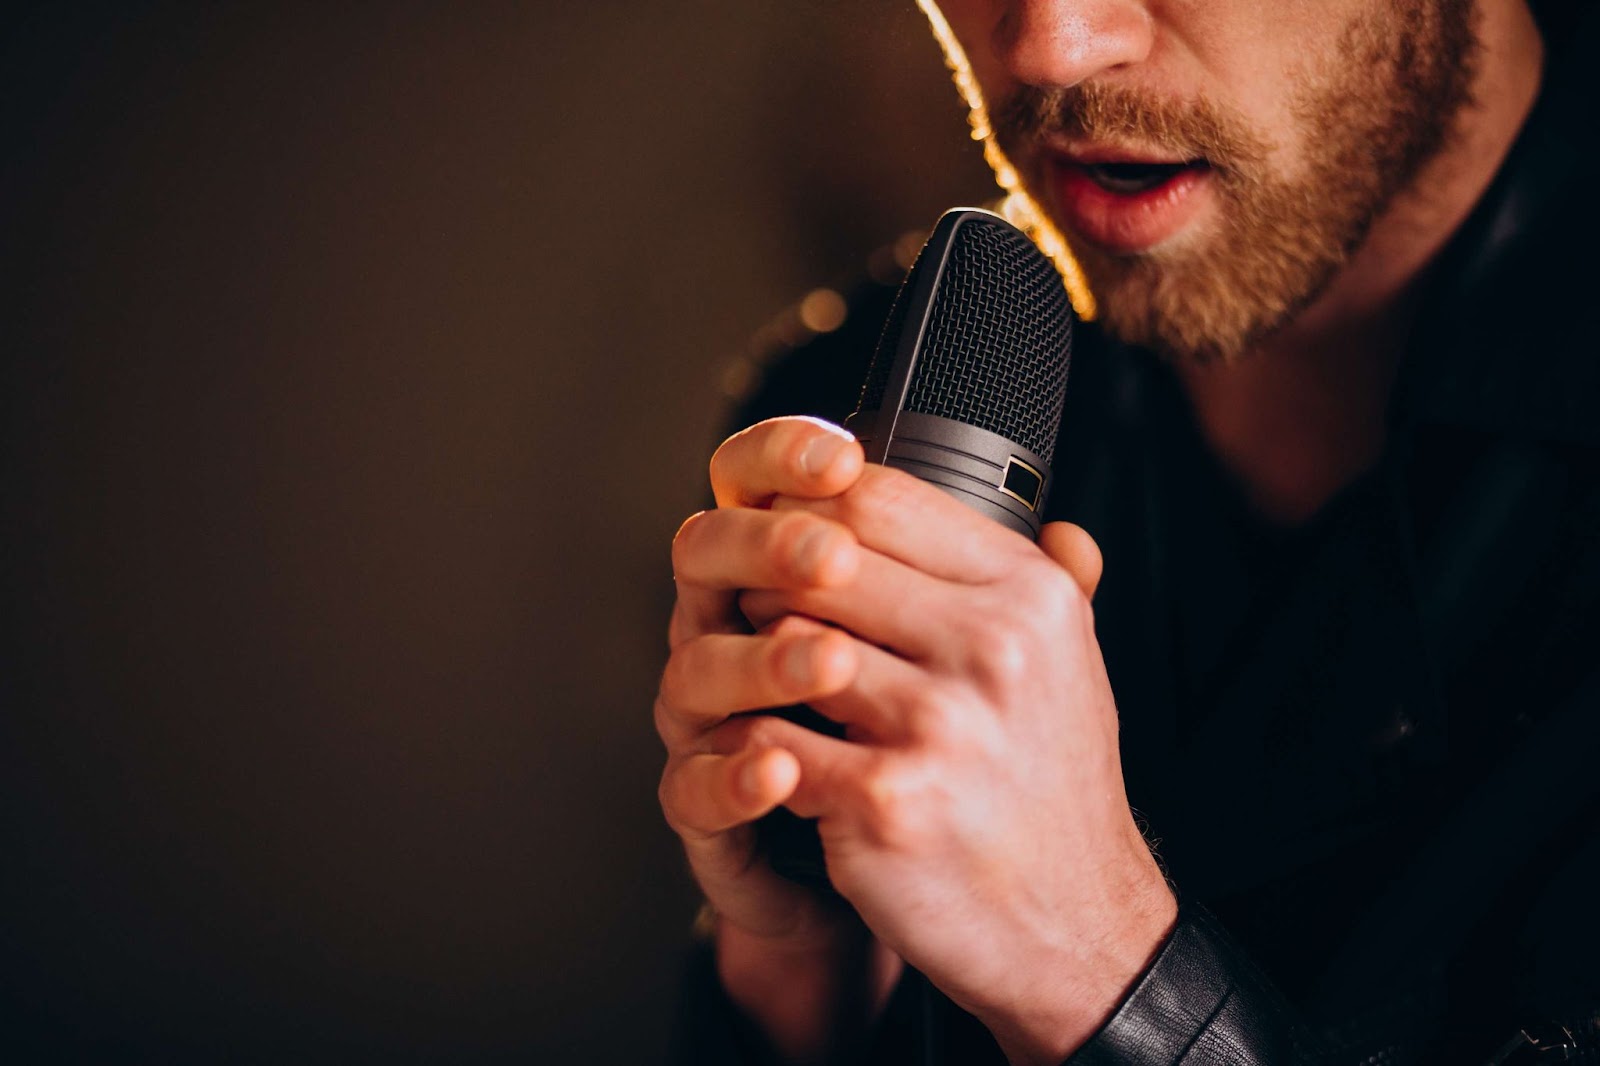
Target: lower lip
1127 222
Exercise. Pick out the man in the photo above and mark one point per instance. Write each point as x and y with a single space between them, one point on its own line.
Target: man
1334 435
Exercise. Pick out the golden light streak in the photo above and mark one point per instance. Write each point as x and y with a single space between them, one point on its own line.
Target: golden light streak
1018 207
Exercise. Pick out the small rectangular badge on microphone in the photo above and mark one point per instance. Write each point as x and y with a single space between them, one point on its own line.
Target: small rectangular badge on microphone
1023 482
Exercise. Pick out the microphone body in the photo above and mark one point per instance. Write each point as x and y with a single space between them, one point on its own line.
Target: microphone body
965 391
967 384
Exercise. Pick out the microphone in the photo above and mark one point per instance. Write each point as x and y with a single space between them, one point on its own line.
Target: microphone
966 387
965 390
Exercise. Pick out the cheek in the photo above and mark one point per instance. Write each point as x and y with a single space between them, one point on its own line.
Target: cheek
1254 56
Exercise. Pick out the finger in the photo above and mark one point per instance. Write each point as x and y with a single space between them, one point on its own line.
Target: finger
875 699
717 675
804 457
726 862
919 524
1074 551
886 701
831 770
741 547
889 604
706 794
715 552
749 893
698 611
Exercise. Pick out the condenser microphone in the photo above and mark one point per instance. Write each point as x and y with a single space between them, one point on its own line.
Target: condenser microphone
965 391
966 387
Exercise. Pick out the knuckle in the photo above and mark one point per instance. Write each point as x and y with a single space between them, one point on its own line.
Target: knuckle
743 461
724 461
664 791
662 718
889 798
679 808
1056 602
767 442
683 541
934 714
668 797
1073 607
1037 592
683 667
999 652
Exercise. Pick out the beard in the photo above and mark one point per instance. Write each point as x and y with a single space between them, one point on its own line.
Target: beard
1370 116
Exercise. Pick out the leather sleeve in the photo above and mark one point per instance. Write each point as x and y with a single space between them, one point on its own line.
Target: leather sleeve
1201 1002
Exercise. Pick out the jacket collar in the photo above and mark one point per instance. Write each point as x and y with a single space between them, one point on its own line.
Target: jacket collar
1507 339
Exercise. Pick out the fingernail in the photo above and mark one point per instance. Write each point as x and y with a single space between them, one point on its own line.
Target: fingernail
821 452
812 551
797 662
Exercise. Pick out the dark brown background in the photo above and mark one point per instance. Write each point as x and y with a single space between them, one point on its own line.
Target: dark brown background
358 362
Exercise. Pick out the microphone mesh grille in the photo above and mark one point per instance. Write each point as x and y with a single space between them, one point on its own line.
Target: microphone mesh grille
998 340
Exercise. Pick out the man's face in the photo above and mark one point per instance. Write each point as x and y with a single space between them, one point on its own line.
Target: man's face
1214 163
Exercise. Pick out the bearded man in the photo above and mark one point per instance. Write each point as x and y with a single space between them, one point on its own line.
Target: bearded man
1313 780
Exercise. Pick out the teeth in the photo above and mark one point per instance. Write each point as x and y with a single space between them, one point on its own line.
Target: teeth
1128 178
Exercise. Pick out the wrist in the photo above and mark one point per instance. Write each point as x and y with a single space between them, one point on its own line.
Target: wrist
810 996
1072 993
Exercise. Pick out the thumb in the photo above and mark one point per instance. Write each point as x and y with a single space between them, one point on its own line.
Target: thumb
1074 551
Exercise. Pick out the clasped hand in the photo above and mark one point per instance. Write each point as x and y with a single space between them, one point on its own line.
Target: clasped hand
973 813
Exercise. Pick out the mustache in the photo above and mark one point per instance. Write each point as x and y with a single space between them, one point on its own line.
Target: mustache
1195 129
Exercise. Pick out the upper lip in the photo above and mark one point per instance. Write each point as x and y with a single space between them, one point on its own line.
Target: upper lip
1088 154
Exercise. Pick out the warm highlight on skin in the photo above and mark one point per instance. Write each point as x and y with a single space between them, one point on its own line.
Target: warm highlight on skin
1370 114
1017 207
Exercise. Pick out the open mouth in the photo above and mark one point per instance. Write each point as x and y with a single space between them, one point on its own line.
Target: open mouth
1126 206
1131 179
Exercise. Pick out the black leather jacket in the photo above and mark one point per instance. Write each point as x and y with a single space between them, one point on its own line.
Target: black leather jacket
1368 749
